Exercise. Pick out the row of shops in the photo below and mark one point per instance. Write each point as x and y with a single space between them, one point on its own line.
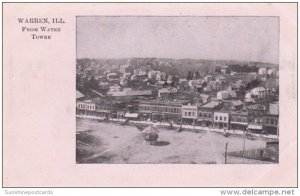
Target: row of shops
212 114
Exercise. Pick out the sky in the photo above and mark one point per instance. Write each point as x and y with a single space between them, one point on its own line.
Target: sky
212 38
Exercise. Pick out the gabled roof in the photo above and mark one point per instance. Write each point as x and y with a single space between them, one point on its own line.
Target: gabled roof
79 95
237 102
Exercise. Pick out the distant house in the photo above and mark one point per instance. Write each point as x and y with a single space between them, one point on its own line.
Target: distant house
262 71
208 78
220 79
114 88
236 104
236 85
272 72
259 92
204 98
123 82
140 72
214 85
161 76
225 94
153 74
165 92
224 69
112 76
126 75
183 81
123 68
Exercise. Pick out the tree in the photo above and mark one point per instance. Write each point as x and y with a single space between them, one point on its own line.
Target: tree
190 75
197 74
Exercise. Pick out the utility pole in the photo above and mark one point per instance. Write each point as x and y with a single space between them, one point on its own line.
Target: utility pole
244 142
226 145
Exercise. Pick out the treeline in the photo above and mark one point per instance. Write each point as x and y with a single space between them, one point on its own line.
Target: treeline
239 68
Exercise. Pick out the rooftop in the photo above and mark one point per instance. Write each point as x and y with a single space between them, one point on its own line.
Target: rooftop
211 104
257 107
79 95
130 93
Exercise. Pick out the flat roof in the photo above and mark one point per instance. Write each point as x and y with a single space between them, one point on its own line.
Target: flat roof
211 104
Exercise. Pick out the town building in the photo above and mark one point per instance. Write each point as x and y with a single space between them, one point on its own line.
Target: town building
129 94
161 110
206 113
256 113
239 120
221 119
189 114
86 107
167 92
271 119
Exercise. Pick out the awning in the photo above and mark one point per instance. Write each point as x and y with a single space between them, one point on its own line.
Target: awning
131 115
259 127
239 123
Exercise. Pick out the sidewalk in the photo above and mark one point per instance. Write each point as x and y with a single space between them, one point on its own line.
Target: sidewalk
191 127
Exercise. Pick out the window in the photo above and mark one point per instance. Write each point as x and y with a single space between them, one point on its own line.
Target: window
205 115
189 113
200 114
272 121
224 118
267 121
216 117
209 115
221 118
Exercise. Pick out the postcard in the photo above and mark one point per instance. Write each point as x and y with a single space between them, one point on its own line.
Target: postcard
150 94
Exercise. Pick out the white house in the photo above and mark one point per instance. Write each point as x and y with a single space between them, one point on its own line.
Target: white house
86 107
161 76
262 71
225 94
272 72
140 72
208 78
220 79
259 92
153 74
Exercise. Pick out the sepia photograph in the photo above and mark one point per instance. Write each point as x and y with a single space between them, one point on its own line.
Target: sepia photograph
177 90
